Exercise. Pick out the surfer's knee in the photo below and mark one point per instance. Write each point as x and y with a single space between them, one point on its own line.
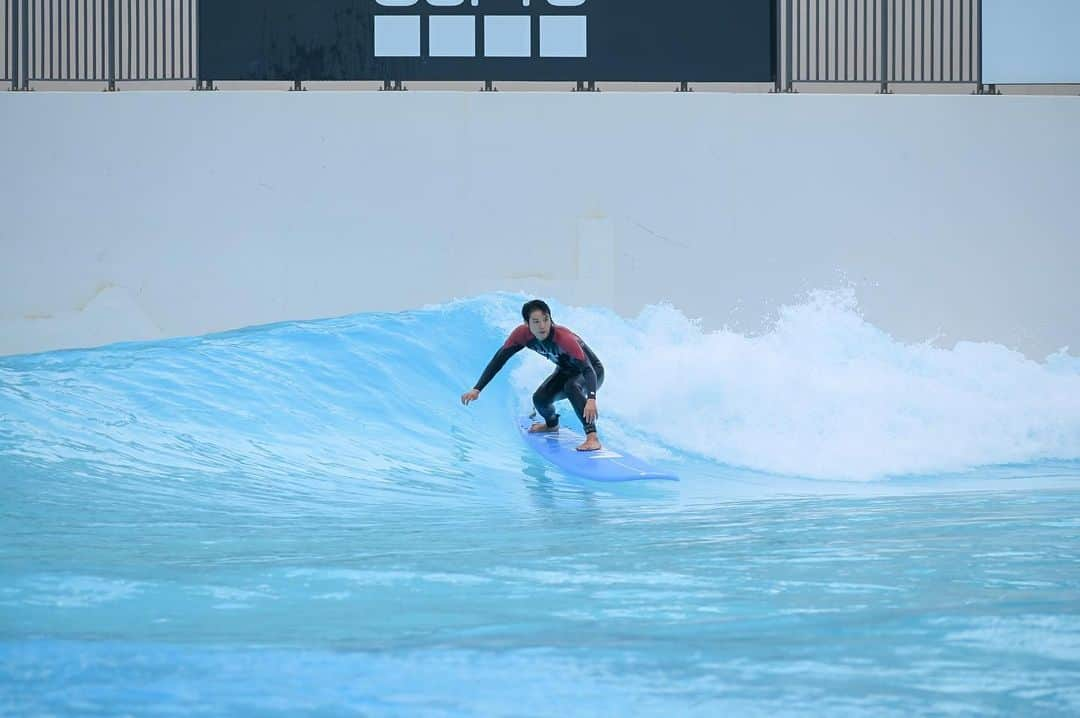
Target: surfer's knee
542 398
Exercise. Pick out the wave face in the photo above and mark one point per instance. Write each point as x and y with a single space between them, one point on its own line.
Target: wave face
302 517
823 395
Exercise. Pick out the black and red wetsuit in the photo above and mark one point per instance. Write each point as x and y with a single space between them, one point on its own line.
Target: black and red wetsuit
578 376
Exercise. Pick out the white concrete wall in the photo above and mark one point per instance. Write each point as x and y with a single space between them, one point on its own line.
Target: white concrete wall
136 215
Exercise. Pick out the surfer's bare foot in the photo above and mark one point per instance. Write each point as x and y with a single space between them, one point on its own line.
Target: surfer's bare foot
542 426
591 443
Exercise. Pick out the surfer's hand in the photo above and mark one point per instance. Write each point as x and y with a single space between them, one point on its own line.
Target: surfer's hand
590 412
471 395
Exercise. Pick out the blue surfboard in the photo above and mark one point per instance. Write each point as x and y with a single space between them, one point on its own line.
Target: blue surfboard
560 448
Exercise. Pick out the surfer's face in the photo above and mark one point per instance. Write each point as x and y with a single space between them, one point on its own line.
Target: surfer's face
540 324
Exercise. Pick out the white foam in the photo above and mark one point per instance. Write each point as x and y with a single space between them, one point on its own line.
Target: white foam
825 394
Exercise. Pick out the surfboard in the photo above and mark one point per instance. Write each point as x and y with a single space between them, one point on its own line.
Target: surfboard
560 448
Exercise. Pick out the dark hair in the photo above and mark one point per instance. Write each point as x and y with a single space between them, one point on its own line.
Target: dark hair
530 307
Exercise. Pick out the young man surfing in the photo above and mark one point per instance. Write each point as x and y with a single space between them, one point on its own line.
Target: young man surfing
578 375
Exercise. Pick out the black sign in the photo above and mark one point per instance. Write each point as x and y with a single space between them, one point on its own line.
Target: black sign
524 40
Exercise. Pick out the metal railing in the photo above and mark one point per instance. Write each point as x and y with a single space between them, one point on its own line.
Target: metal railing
98 41
881 42
157 40
69 40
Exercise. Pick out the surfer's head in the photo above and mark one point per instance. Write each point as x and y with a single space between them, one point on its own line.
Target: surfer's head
537 315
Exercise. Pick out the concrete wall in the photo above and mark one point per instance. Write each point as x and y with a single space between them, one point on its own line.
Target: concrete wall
137 215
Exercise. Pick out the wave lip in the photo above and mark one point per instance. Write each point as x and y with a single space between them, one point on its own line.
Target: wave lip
825 394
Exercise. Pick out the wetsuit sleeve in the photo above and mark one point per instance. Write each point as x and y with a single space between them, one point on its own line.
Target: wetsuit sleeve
514 343
590 380
569 343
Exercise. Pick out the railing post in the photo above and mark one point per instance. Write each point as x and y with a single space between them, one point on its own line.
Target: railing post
25 65
884 14
112 45
778 54
14 49
194 39
979 87
790 48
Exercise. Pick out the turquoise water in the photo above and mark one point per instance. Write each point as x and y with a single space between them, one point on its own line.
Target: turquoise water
303 519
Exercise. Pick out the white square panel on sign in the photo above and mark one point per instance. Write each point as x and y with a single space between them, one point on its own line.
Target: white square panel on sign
452 36
397 36
507 36
564 36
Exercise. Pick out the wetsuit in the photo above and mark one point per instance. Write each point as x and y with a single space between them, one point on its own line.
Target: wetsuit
578 376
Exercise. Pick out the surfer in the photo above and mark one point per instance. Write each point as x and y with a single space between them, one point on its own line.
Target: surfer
578 375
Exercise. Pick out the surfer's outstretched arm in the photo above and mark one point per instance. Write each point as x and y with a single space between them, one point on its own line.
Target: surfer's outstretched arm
509 349
496 364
